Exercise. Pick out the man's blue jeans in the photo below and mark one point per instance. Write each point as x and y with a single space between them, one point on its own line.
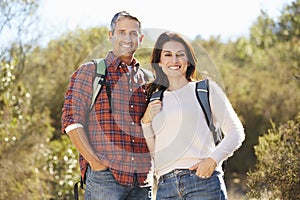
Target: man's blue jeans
102 185
185 184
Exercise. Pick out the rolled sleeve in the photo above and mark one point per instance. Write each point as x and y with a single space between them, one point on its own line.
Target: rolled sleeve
72 127
78 97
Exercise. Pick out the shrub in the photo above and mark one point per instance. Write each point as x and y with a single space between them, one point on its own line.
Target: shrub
276 174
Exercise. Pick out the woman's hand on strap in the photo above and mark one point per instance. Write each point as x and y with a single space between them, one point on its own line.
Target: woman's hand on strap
153 108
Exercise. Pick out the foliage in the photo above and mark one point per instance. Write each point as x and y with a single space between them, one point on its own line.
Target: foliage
24 140
266 32
288 25
19 26
262 83
24 133
52 67
62 163
261 76
276 174
262 32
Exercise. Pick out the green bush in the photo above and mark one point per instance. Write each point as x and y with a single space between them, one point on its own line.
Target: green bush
276 174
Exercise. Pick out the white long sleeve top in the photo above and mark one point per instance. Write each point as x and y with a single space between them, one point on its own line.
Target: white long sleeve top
179 136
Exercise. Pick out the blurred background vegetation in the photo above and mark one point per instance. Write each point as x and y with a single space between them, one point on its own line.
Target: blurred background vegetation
260 73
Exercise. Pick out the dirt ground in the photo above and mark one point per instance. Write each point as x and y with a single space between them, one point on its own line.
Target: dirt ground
236 187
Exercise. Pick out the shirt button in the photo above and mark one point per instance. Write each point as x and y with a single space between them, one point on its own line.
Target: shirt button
132 123
131 106
130 89
132 158
132 140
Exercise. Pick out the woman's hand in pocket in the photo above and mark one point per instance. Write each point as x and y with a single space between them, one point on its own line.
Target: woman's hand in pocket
205 167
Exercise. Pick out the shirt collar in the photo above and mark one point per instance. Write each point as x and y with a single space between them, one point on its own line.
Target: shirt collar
114 62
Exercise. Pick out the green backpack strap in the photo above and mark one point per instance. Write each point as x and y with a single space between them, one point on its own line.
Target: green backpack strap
99 79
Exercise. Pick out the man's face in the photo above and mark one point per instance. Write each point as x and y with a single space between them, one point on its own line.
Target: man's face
126 37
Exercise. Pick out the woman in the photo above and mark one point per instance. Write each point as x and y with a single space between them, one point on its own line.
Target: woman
187 163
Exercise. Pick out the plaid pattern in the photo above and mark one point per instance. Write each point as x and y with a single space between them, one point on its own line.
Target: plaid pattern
116 137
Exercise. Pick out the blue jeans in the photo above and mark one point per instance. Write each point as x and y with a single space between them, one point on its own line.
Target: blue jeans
102 185
185 184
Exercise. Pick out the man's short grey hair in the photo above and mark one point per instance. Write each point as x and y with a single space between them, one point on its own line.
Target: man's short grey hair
118 15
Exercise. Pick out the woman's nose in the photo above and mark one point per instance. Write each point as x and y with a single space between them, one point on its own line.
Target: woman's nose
174 58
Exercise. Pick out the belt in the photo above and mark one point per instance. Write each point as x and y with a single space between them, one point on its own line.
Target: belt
175 173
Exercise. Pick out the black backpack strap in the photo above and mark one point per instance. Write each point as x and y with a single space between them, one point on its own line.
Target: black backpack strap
76 193
81 185
158 95
203 98
202 93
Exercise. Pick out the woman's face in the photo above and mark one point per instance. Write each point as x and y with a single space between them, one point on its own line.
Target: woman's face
173 59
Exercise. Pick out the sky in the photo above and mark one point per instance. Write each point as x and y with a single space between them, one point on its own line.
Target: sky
228 19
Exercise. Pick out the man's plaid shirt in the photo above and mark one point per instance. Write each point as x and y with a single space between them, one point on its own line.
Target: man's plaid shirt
116 137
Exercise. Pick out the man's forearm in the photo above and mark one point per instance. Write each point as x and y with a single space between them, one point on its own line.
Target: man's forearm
80 141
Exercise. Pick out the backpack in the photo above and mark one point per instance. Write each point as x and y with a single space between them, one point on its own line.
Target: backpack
99 80
202 93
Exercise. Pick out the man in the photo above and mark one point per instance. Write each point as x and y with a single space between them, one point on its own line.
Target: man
114 158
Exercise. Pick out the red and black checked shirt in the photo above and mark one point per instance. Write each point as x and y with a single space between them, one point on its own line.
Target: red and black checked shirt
116 137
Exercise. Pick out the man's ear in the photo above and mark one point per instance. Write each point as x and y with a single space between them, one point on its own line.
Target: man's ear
110 35
141 38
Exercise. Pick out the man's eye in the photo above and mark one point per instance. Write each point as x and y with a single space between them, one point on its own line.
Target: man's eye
121 33
134 34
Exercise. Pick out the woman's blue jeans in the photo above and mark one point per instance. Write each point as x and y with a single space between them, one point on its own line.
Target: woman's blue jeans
185 184
102 185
